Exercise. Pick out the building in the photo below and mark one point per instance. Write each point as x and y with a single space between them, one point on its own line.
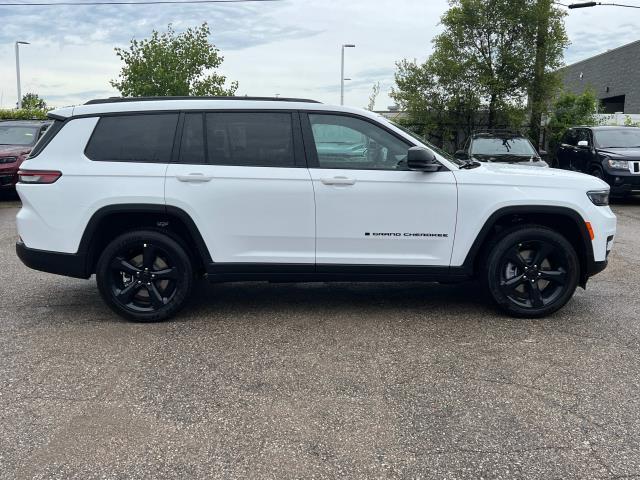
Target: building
613 75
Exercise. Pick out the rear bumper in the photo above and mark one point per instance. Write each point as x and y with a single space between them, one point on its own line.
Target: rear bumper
68 264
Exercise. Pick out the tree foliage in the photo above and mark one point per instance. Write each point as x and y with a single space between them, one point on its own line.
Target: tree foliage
570 110
31 101
22 114
170 64
484 60
373 96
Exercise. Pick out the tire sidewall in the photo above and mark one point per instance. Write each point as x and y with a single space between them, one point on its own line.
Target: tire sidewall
178 254
510 240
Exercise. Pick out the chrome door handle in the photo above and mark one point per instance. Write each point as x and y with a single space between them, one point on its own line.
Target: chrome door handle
338 181
194 177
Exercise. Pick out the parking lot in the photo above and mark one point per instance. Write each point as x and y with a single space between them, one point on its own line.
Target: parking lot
320 380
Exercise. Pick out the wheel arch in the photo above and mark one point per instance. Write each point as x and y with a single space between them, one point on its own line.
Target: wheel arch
564 220
110 221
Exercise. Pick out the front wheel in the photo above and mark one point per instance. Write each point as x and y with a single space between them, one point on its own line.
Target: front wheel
532 272
144 276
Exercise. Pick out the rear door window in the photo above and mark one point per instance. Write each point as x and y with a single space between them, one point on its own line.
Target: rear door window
250 139
144 138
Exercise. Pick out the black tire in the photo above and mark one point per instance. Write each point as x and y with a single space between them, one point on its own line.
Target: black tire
597 172
531 271
144 276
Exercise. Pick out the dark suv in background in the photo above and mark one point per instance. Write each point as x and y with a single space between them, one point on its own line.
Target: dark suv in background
611 153
501 146
17 138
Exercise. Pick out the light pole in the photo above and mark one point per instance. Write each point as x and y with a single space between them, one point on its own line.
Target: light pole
347 45
594 4
18 71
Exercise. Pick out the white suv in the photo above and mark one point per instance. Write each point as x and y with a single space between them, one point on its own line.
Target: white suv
148 193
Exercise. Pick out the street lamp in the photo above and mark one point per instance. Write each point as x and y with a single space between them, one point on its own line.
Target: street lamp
593 4
18 71
342 79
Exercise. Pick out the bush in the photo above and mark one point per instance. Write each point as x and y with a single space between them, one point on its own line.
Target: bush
23 114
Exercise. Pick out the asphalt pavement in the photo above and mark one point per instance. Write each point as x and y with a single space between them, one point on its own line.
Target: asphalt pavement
407 380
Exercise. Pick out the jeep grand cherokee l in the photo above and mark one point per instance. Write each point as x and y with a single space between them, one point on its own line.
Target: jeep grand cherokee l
148 194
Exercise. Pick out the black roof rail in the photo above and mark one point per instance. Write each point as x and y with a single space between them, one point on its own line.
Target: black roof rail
154 99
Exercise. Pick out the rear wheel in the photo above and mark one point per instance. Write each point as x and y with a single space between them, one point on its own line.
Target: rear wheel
532 272
145 276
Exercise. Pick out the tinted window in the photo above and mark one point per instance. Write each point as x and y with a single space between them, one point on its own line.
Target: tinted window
250 139
582 134
352 143
192 146
569 137
133 138
46 138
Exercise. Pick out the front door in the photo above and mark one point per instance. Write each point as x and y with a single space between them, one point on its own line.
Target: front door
242 178
370 209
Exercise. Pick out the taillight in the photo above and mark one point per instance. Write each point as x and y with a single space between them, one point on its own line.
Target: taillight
38 176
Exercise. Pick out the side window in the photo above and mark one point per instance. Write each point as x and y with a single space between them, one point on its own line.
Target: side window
192 143
569 138
352 143
133 138
582 134
250 139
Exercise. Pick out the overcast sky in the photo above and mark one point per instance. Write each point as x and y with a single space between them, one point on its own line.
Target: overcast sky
289 47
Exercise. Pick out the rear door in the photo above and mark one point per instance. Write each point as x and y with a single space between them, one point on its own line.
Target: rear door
242 178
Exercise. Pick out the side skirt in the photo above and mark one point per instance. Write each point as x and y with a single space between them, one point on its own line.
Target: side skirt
291 273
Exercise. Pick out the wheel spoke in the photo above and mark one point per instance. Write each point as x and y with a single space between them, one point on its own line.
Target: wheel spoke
166 274
148 256
514 257
542 252
126 294
555 276
513 283
156 298
535 295
121 265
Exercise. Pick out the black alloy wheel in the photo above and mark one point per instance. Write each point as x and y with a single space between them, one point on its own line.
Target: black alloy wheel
145 276
532 272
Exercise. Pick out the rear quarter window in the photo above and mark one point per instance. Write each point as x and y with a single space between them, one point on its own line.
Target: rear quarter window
145 138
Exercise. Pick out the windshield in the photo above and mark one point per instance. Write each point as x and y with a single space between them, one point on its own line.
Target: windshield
502 146
428 145
622 138
15 135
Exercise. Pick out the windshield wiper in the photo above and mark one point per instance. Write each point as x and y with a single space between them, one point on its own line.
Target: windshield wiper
470 164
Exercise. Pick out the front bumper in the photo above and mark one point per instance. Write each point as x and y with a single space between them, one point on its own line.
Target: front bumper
67 264
622 182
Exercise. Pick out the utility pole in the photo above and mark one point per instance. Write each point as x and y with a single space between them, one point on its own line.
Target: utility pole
537 90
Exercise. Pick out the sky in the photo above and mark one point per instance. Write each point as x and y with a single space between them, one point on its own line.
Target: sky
287 47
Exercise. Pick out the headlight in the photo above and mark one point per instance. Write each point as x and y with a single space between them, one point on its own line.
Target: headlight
599 197
620 164
8 159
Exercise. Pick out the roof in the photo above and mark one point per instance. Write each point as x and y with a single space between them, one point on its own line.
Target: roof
613 50
198 103
24 123
605 127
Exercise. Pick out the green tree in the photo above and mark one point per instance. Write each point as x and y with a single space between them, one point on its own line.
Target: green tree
485 58
570 110
170 64
31 101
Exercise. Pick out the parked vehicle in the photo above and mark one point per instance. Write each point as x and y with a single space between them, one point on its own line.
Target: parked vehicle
501 146
611 153
149 193
17 138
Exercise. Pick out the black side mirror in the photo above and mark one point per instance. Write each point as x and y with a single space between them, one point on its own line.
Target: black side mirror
543 153
461 155
422 160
